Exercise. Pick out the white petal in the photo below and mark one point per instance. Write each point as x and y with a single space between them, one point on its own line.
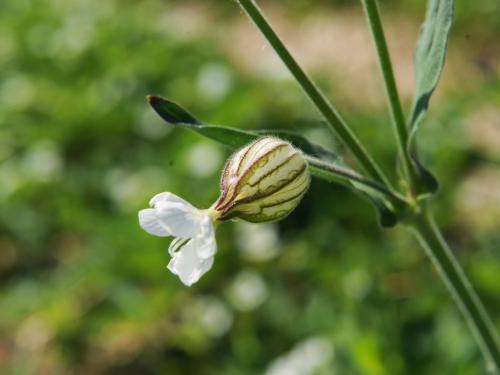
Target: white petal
167 197
205 243
182 220
176 244
149 221
188 265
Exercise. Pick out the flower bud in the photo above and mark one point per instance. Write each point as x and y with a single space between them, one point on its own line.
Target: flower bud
263 181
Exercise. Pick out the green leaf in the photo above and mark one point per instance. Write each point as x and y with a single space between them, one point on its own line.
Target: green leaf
234 138
386 203
172 112
430 56
429 183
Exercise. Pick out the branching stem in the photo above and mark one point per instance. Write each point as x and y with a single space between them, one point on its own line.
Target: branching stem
422 221
346 176
313 93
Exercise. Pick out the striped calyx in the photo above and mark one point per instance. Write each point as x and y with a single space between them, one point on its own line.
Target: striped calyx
263 181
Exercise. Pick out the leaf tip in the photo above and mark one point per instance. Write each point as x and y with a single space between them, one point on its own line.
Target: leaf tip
155 101
171 112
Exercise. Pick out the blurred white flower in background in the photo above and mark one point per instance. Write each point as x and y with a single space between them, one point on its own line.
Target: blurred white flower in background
17 92
33 334
74 36
357 283
127 188
257 242
213 315
214 82
115 87
150 126
305 358
204 159
476 200
184 22
42 161
247 292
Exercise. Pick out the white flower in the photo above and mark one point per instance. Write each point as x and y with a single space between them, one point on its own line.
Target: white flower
194 247
263 181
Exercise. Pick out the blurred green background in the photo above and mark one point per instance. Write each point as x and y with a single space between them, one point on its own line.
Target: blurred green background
83 290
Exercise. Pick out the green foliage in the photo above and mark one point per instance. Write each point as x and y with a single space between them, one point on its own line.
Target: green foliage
84 290
430 55
325 169
231 137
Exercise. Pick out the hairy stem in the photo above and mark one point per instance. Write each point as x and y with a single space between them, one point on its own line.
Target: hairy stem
460 288
398 119
313 92
346 176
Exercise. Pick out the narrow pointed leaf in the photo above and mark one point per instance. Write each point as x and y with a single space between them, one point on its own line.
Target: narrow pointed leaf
233 138
429 182
430 56
172 112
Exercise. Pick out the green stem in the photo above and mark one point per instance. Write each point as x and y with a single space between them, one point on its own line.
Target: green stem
346 176
460 288
398 119
313 92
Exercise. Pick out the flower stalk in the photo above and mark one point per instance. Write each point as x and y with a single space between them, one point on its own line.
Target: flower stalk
459 286
398 120
346 177
423 223
248 194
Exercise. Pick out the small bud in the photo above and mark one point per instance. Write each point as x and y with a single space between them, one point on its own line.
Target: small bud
263 181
